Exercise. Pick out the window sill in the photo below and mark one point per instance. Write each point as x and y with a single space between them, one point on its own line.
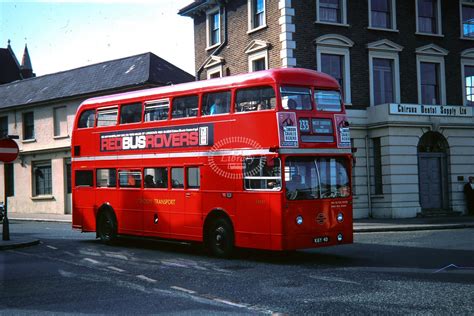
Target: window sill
26 141
382 29
332 23
43 198
61 137
429 34
466 38
213 46
257 29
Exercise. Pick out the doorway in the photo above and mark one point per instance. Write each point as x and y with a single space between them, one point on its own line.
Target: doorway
433 152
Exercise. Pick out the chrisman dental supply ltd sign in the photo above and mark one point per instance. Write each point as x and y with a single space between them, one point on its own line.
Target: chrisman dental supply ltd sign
433 110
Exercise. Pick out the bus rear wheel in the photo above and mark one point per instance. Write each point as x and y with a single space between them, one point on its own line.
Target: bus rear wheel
221 238
107 227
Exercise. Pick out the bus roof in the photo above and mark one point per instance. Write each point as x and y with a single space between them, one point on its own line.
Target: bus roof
296 76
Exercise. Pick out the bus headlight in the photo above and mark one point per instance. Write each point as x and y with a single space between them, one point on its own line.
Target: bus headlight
339 237
299 219
340 217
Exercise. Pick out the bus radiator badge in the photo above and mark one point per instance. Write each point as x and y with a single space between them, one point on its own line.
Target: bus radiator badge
320 219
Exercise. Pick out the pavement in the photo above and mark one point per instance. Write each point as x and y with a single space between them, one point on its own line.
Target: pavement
366 225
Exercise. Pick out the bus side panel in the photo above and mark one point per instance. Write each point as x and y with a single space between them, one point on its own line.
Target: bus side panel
252 224
83 210
276 220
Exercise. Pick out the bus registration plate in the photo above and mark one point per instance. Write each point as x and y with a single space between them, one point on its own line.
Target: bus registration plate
321 240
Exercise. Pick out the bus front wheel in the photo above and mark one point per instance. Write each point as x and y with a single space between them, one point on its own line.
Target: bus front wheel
107 227
221 238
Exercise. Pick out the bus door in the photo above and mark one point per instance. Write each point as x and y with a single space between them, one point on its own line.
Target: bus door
157 203
130 208
186 214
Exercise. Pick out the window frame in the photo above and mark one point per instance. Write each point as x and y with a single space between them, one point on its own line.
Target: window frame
442 76
186 176
461 22
343 4
439 23
257 56
48 187
3 131
31 125
156 104
394 56
57 122
106 110
209 23
393 17
344 52
252 14
465 62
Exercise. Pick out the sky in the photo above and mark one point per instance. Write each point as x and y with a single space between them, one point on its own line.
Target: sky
67 34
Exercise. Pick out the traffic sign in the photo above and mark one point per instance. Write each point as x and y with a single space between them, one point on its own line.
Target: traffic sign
8 150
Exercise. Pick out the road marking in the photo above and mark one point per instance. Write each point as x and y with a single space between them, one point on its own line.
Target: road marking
330 279
145 278
115 269
91 260
116 256
453 266
69 253
173 264
51 247
230 303
183 290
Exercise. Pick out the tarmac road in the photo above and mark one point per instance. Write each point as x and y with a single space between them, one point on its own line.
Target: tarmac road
422 272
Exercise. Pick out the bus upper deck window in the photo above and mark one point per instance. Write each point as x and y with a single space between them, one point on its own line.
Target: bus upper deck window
216 103
156 110
255 99
107 117
328 100
131 113
185 106
296 98
86 120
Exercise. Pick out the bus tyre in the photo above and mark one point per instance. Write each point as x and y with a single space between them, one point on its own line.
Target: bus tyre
107 227
221 238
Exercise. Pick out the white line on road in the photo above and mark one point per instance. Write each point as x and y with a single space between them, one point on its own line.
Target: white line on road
183 290
332 279
91 260
230 303
116 256
51 247
145 278
115 269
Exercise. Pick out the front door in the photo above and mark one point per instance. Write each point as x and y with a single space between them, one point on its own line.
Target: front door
432 179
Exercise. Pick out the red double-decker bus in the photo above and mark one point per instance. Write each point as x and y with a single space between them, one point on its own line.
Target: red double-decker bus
260 160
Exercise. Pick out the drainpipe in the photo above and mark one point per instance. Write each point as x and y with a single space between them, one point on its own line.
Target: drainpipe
367 165
222 12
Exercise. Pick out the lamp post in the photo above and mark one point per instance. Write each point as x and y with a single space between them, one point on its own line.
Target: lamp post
8 152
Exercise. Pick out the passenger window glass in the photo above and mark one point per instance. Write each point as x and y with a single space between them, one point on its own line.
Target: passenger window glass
296 98
185 106
131 113
156 110
216 103
177 178
86 120
106 178
193 178
156 177
328 100
130 178
255 99
84 178
107 117
262 173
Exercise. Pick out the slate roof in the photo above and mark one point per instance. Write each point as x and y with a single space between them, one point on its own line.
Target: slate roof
129 72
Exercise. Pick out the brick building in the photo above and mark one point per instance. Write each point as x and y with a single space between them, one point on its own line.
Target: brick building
406 69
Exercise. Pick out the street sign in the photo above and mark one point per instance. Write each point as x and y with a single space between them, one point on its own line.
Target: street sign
8 150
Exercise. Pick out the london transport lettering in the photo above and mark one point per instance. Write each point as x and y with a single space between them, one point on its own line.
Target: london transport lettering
158 138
